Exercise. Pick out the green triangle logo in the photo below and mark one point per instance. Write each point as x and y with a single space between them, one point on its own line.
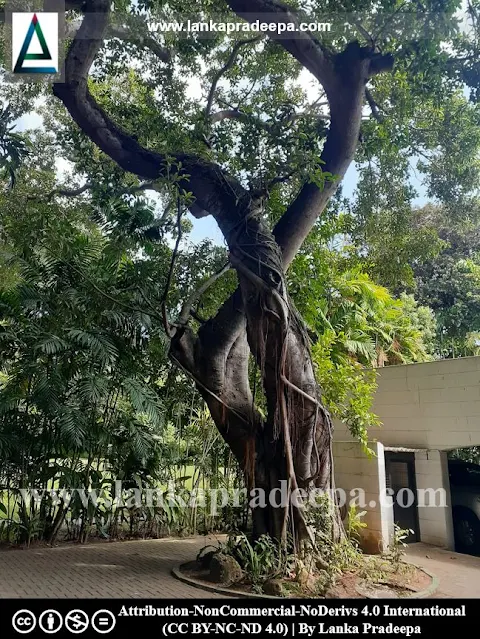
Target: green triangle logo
34 28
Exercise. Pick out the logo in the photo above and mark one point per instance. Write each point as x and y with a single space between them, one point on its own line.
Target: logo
35 42
24 621
103 621
76 621
50 621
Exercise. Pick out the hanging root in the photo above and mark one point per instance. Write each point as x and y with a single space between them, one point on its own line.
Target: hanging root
249 466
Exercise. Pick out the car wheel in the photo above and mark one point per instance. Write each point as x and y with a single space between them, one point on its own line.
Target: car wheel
467 532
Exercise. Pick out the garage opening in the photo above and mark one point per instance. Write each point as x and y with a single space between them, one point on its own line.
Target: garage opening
400 478
464 472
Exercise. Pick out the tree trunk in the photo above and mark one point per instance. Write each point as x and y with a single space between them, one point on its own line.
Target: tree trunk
290 450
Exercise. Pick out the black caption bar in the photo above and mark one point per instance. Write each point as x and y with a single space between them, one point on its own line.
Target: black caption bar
234 617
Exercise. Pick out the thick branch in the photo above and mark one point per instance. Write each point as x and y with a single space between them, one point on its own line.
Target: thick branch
215 192
303 46
344 77
353 68
217 359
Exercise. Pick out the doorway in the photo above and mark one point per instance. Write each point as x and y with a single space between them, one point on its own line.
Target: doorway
400 475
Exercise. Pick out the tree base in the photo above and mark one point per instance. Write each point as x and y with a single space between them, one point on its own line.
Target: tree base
383 581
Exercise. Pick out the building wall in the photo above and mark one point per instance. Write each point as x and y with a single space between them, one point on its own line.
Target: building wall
358 476
433 490
431 408
433 405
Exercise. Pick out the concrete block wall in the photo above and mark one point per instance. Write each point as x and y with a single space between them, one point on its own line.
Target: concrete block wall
433 493
362 479
432 405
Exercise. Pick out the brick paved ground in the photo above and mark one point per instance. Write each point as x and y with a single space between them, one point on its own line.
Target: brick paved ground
459 575
141 569
130 569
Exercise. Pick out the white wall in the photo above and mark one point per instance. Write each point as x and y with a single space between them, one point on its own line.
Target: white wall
433 405
354 471
434 508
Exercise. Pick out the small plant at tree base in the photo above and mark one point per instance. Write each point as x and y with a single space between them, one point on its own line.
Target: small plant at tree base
261 560
396 550
355 523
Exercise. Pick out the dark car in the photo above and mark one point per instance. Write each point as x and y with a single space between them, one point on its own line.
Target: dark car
465 494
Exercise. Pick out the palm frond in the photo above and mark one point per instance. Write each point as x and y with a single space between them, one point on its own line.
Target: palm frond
92 389
71 427
51 345
99 345
144 400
